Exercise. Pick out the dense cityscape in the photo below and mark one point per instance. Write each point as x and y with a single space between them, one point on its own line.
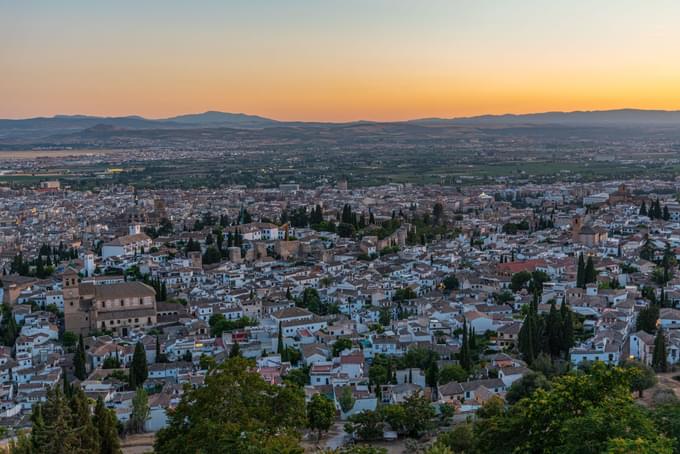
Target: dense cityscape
403 316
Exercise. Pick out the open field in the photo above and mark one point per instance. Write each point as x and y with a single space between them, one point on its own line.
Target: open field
36 154
365 155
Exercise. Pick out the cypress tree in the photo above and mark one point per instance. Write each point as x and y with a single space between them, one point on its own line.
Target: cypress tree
60 436
530 335
10 328
140 411
279 347
590 273
472 340
554 331
643 209
464 355
68 389
106 423
88 436
659 357
12 331
658 214
138 370
79 360
431 377
39 433
580 272
567 329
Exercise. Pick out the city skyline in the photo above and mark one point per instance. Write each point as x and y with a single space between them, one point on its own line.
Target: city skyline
346 61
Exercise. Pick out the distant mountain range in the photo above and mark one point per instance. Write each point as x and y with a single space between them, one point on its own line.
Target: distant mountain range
223 119
37 129
620 117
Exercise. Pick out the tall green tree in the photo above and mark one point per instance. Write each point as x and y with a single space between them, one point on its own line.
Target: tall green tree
580 413
554 332
450 373
235 411
106 423
39 435
667 419
567 328
367 425
590 273
280 346
525 386
57 435
643 209
79 360
647 318
581 272
346 399
531 333
320 414
139 370
432 377
659 355
464 356
419 414
643 376
140 411
87 434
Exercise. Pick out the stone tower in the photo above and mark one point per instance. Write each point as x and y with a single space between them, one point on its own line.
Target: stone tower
88 259
75 319
196 259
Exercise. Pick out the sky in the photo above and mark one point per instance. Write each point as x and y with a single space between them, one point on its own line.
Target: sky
329 60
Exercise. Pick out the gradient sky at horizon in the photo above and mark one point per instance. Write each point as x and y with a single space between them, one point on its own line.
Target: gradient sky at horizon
337 60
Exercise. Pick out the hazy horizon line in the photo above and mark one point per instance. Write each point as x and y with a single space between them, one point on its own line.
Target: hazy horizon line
464 117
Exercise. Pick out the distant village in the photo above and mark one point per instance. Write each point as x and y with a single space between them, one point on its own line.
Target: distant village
366 296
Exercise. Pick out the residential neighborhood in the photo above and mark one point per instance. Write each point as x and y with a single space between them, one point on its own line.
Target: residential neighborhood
370 297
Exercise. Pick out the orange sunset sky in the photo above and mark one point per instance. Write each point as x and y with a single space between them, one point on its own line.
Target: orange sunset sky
337 60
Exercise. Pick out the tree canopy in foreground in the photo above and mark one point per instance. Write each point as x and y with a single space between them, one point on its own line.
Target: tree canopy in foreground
236 411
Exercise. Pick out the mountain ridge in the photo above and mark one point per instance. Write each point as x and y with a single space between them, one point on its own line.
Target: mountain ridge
215 116
44 127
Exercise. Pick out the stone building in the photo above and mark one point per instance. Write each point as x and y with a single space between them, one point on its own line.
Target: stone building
113 307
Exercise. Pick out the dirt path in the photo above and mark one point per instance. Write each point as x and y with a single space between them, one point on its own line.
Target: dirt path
138 444
337 437
663 381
